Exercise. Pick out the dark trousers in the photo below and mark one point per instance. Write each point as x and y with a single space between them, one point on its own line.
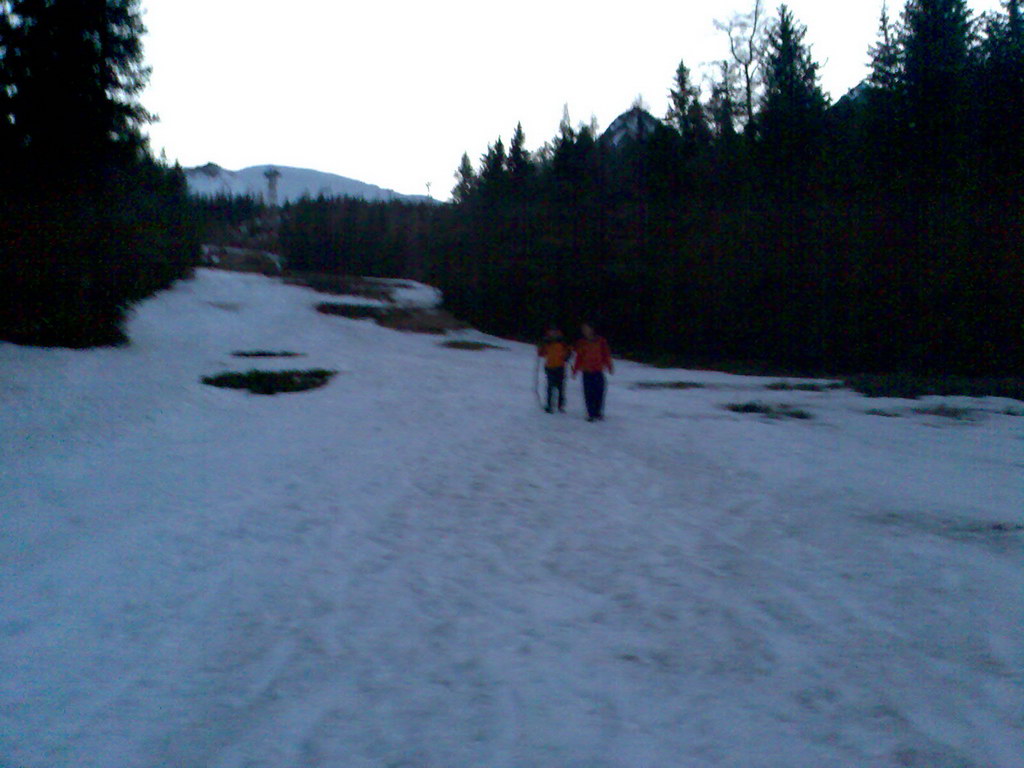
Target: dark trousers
556 383
593 393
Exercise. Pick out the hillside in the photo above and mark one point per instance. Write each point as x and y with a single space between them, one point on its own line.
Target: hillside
415 566
293 184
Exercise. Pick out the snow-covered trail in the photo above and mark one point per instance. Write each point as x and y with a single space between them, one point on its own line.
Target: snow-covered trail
414 566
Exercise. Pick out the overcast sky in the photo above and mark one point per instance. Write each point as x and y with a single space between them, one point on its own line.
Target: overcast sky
393 92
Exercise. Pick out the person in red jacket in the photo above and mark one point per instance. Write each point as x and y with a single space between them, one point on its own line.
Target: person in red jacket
593 357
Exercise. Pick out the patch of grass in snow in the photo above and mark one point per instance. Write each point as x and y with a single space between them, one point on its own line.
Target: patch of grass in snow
912 386
1011 411
351 311
264 353
414 320
883 412
994 533
271 382
785 386
771 411
339 285
472 346
667 385
947 412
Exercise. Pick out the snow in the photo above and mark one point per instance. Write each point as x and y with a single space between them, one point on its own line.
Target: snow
292 184
415 566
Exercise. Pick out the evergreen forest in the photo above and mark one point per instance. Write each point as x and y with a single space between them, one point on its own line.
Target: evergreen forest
89 221
754 221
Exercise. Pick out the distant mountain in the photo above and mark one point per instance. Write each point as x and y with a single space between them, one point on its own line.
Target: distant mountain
292 184
632 127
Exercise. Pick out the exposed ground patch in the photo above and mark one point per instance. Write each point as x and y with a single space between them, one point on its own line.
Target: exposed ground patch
351 311
266 353
227 306
339 285
414 320
883 412
271 382
785 386
996 533
772 411
949 412
683 385
472 346
911 386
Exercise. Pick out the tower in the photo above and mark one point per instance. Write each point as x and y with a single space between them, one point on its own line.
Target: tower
272 175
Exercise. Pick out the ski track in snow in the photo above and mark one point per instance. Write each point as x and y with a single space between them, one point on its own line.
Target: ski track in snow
414 566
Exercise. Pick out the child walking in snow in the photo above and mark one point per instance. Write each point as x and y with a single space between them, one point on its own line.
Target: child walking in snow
556 354
593 357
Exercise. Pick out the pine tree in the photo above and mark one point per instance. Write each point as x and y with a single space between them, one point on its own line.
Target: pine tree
722 104
936 39
493 170
466 180
685 113
885 56
101 223
519 162
74 62
563 160
999 86
793 106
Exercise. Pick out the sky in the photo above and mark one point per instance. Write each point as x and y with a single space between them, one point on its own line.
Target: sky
392 93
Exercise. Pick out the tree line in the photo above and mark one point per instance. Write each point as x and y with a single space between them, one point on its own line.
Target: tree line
754 221
89 220
757 222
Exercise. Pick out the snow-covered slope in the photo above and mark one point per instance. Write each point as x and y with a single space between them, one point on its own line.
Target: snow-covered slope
415 566
292 184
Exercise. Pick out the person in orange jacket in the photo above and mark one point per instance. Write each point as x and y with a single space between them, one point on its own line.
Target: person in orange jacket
556 354
593 357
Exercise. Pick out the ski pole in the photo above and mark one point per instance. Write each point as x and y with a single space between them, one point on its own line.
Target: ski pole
536 383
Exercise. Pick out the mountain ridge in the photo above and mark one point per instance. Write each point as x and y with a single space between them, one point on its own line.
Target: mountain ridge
293 183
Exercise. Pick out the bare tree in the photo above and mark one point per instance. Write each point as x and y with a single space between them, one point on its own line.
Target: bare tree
746 45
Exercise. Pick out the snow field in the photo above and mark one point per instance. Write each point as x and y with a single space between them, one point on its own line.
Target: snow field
414 566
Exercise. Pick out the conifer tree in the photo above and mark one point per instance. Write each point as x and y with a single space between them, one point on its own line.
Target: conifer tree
936 38
685 112
74 62
999 86
793 106
466 180
101 223
722 104
885 56
519 161
493 170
